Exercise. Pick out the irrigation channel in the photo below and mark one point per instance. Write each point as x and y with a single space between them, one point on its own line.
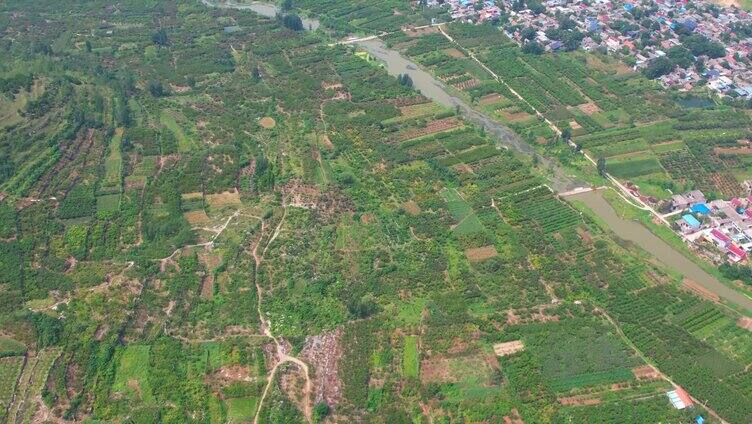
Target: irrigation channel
432 88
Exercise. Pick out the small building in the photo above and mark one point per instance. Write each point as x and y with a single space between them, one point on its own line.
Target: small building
679 398
722 240
700 208
736 253
691 221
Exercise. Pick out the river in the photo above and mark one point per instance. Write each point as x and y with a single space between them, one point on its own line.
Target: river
435 90
641 236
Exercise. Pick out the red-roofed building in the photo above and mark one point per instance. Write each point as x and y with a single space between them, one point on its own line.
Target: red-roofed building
736 253
684 396
736 202
719 238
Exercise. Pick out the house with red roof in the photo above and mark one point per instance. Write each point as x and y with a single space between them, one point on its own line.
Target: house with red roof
736 253
722 240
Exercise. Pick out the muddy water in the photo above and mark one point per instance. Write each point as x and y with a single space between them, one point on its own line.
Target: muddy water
641 236
269 10
435 90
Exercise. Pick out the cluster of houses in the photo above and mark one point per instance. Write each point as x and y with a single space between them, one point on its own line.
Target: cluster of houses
477 11
727 224
617 27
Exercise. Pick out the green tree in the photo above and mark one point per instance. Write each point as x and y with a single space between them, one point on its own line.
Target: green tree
601 164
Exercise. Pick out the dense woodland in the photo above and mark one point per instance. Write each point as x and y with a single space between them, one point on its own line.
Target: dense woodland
210 216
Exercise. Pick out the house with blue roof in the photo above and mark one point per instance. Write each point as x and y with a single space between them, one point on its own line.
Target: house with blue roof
691 221
700 208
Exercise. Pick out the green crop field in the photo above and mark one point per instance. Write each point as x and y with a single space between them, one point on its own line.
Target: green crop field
209 215
132 374
410 357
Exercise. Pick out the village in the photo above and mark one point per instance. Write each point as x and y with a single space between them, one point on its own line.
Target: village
681 44
724 225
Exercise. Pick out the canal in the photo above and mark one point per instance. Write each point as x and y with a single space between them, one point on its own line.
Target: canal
656 247
396 64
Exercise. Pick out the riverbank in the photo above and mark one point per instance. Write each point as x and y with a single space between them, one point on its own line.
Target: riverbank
668 255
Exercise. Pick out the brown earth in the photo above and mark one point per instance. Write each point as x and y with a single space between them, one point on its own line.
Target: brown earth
441 369
454 53
478 254
745 323
513 116
589 108
646 372
323 353
732 150
413 32
490 99
207 287
198 217
513 418
327 142
465 85
223 199
508 348
582 400
699 290
411 207
267 122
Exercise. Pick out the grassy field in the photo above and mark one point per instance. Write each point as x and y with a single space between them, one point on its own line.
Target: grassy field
410 357
132 375
10 368
186 142
113 164
10 347
241 410
30 385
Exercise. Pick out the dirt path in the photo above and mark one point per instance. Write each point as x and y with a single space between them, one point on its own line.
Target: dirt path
623 191
266 327
645 359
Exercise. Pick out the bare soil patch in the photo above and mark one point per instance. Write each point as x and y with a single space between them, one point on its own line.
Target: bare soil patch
267 122
323 352
327 142
585 235
589 108
745 323
574 125
417 32
508 348
441 369
455 53
207 287
490 99
196 218
464 168
223 199
232 373
513 418
411 207
466 85
331 85
513 116
732 150
699 290
581 400
478 254
646 372
432 127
